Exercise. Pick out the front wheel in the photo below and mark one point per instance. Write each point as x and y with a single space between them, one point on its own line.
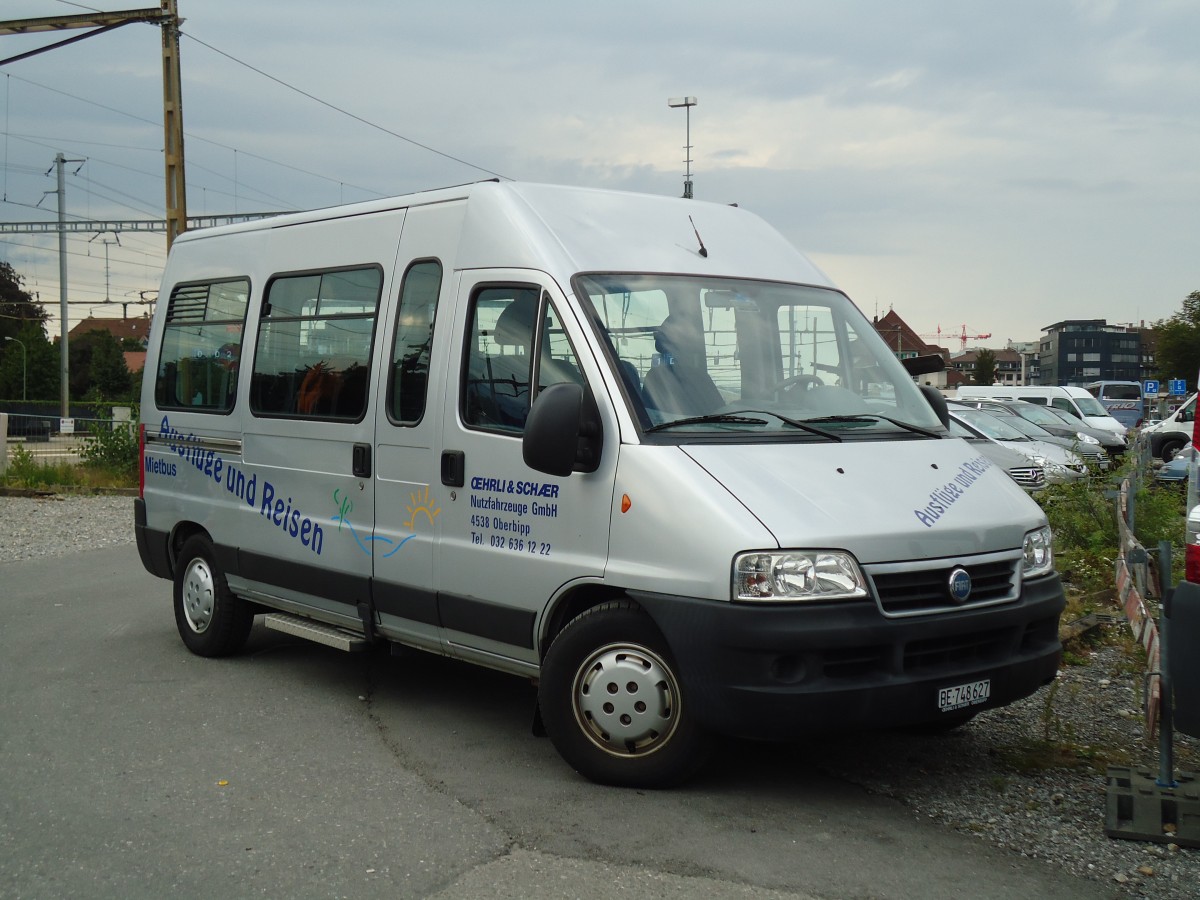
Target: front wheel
211 620
612 702
1170 448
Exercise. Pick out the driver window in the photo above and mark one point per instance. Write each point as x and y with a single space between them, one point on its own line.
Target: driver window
500 356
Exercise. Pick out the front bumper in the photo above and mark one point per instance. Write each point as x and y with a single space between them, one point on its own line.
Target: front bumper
779 672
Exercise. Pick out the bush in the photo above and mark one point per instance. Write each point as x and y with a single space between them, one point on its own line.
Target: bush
113 451
25 471
1083 516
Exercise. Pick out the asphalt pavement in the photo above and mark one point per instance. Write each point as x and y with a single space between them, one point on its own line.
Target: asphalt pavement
130 768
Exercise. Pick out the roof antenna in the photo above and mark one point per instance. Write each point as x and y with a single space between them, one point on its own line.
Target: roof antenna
699 240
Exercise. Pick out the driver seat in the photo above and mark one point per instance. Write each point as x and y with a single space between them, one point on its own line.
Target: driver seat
680 383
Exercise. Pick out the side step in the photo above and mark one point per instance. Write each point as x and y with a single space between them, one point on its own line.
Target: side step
315 631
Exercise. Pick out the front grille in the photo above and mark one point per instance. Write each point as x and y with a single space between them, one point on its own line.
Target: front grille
907 589
1028 477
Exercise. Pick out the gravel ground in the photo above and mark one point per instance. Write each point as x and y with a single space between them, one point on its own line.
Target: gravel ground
992 778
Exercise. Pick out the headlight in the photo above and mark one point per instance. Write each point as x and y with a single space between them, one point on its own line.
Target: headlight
797 575
1086 438
1039 553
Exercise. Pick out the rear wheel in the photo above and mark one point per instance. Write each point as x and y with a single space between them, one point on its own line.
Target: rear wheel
612 702
211 620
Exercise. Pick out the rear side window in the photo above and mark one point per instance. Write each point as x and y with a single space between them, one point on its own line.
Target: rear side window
202 346
414 339
313 354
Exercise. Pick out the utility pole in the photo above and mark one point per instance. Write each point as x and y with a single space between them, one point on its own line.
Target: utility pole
173 125
167 18
687 103
64 361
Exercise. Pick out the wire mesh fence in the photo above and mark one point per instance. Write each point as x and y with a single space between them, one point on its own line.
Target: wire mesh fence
55 440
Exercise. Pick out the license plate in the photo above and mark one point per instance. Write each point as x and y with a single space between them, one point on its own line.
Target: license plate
963 695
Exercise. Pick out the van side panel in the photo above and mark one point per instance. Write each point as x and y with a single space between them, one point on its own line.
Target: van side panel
408 422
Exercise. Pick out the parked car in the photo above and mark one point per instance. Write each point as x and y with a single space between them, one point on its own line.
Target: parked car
1087 448
1176 471
1020 468
1059 464
1113 444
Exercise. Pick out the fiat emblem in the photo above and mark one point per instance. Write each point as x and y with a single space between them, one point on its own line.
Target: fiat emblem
960 585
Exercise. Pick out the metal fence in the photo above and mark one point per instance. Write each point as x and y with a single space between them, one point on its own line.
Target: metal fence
53 439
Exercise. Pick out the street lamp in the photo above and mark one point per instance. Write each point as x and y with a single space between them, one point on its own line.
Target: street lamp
15 341
687 103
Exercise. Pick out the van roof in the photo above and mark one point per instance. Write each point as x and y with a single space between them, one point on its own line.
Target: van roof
571 229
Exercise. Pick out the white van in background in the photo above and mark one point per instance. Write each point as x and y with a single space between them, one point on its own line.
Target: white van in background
636 449
1174 432
1074 400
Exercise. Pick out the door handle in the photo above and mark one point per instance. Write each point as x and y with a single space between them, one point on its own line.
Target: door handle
361 466
454 468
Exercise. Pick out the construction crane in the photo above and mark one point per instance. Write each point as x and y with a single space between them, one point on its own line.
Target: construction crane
962 336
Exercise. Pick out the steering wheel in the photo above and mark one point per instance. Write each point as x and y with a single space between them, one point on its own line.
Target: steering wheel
797 383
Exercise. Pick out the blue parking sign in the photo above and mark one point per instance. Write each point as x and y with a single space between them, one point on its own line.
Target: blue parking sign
1177 386
1150 388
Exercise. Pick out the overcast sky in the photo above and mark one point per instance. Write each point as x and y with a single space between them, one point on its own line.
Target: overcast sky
993 166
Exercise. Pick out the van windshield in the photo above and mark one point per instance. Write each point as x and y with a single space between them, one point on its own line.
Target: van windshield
1090 406
729 355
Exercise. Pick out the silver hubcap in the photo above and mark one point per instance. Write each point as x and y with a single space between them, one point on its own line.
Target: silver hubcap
198 596
626 700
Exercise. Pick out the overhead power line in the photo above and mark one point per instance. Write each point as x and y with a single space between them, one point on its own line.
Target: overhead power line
344 112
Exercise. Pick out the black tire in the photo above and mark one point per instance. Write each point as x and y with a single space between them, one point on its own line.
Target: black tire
638 732
1170 448
210 619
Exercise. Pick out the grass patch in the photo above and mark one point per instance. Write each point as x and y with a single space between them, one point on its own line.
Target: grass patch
26 471
1039 754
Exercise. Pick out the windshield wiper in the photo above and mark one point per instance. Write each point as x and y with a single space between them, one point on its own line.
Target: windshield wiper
899 423
740 417
715 418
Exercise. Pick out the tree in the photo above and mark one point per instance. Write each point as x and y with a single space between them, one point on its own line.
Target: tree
107 372
985 367
33 373
1177 354
17 306
98 369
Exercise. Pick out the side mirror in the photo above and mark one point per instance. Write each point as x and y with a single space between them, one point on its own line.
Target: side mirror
563 433
935 399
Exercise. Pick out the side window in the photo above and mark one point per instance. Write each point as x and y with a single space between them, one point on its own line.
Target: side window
557 362
409 379
1065 405
202 346
500 354
313 356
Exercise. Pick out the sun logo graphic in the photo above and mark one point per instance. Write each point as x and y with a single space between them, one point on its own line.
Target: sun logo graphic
420 504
